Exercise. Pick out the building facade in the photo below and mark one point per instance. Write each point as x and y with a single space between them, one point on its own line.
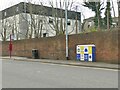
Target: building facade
89 24
26 20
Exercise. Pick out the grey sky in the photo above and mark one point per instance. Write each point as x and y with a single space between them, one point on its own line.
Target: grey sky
86 12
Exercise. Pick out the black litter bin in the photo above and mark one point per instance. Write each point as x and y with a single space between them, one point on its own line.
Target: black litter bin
35 54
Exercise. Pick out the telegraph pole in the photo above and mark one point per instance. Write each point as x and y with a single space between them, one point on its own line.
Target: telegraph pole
66 29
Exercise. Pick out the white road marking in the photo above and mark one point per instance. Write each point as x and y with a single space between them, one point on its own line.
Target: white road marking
97 68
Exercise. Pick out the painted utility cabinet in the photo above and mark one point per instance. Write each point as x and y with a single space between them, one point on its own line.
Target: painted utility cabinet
85 52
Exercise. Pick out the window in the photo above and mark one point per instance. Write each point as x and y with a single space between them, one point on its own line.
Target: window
17 9
5 13
41 20
50 20
88 26
44 34
68 23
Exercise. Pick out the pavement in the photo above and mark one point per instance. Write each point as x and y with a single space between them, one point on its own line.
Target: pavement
67 62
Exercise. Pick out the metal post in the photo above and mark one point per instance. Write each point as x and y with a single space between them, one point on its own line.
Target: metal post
66 30
10 45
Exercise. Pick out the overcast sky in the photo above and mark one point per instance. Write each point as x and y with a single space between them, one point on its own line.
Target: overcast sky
86 12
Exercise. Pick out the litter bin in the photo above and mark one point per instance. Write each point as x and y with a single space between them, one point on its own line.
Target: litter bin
35 54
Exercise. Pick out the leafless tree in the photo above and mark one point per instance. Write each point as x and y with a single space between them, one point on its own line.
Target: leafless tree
59 22
6 29
35 22
113 7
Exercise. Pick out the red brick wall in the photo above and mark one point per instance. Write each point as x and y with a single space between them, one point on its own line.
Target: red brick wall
54 47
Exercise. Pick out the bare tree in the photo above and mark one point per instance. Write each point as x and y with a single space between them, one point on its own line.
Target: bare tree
113 7
39 22
118 14
34 20
59 25
6 29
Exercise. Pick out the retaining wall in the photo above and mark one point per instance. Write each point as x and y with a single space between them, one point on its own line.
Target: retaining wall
54 47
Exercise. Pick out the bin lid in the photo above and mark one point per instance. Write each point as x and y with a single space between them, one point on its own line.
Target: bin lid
34 49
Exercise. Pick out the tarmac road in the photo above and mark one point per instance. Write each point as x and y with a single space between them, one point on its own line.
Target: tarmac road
20 74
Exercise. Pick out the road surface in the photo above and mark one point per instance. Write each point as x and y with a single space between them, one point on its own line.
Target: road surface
21 74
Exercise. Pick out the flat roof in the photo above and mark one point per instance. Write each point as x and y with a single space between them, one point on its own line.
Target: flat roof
24 7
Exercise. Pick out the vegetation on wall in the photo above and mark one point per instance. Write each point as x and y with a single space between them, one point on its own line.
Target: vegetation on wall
97 8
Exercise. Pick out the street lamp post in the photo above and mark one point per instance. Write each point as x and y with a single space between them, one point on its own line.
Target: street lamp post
66 29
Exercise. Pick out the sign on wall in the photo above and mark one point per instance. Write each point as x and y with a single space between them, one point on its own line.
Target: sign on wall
85 52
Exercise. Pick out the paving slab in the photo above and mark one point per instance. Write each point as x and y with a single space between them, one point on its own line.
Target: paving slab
67 62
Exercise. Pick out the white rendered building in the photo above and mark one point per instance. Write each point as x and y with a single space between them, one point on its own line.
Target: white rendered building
26 20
